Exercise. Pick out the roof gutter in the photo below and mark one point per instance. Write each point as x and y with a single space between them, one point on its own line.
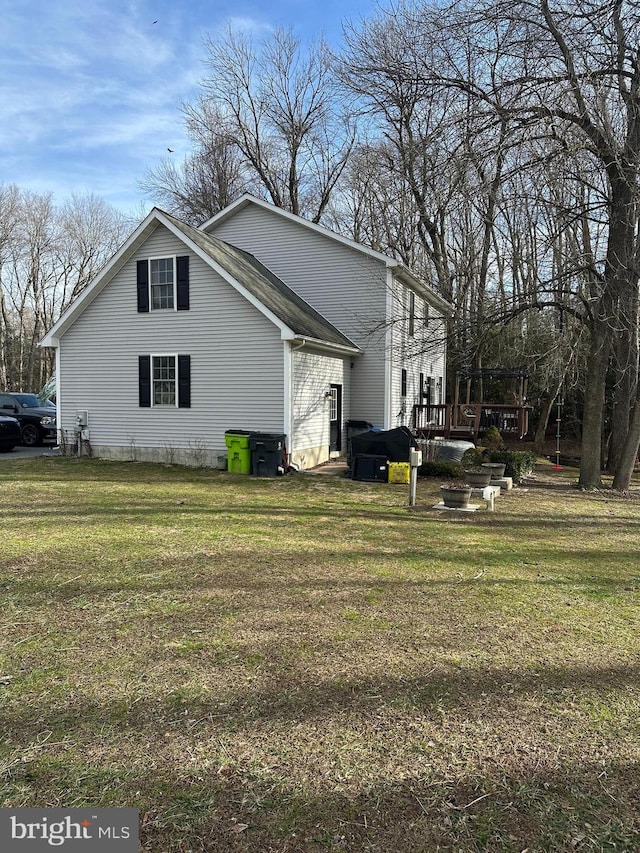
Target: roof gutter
341 349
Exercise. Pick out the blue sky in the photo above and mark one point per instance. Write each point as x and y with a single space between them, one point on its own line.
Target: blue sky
90 90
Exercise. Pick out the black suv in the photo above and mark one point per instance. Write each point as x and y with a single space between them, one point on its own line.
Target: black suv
9 433
37 419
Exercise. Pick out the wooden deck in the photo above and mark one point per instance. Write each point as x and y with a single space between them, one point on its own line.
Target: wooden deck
469 420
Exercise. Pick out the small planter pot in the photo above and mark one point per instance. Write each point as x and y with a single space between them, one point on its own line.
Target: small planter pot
478 479
455 497
495 468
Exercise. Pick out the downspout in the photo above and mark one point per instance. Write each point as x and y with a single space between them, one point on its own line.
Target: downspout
292 350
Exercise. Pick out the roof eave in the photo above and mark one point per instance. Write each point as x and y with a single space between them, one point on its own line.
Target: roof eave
416 283
341 349
247 199
391 263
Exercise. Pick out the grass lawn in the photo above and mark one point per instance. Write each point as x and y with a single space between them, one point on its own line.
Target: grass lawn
307 665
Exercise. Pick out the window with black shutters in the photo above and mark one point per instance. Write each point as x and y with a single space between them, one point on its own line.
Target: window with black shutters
163 284
164 380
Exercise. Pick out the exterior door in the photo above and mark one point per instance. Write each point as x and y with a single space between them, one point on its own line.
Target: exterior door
427 392
335 419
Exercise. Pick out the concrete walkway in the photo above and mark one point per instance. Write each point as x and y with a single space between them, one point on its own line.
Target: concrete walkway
338 468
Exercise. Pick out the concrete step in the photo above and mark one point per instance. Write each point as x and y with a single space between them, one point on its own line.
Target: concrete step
468 508
505 483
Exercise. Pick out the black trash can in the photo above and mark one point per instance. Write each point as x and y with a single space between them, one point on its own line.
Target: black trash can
268 454
355 428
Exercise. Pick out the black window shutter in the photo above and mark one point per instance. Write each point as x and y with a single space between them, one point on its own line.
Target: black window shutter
143 286
182 275
184 381
412 313
144 380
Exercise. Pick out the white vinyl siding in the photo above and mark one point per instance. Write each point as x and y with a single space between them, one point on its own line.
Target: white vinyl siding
420 353
313 373
344 285
237 376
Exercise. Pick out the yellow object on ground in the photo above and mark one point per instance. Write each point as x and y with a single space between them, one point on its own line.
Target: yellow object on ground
399 472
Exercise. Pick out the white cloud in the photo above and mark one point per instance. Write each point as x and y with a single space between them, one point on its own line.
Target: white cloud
91 90
253 25
76 78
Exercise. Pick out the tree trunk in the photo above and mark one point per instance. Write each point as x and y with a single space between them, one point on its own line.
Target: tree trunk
541 428
626 375
624 471
590 454
620 414
612 323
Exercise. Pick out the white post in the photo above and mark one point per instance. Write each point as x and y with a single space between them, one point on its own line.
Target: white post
413 483
415 461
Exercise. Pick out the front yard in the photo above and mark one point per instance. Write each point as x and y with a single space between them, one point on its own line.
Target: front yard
306 665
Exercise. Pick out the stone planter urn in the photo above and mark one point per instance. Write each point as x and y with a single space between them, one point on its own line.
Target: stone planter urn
495 468
478 478
455 495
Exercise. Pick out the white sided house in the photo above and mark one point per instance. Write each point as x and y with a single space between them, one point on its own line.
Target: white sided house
259 320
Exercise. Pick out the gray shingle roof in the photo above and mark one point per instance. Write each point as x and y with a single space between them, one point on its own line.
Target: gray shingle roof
271 291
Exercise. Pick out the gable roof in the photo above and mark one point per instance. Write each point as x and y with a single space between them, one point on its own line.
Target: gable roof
295 318
248 199
400 270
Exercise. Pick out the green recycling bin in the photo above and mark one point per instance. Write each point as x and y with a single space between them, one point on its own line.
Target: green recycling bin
239 456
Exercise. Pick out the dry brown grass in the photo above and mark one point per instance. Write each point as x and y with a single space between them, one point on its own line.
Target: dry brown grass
307 665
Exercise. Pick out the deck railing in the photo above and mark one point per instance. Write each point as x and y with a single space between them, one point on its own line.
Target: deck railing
432 418
470 419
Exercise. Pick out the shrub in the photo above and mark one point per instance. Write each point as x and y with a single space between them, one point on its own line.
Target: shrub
492 440
472 458
433 468
518 463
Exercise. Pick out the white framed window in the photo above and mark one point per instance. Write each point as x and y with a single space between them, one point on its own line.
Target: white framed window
333 405
162 283
164 380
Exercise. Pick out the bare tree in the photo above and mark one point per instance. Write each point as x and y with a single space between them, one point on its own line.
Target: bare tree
281 109
48 255
534 89
9 207
88 232
208 179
